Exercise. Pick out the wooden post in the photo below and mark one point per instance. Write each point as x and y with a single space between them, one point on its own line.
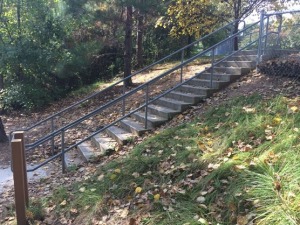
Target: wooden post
18 172
20 135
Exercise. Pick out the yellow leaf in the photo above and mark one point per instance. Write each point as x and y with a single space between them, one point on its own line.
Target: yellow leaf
277 120
235 157
209 143
113 176
156 197
294 109
82 189
117 171
63 203
201 145
138 190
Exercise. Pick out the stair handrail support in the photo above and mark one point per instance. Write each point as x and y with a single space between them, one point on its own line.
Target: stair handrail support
61 131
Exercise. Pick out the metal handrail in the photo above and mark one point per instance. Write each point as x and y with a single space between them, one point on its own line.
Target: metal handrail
120 81
146 84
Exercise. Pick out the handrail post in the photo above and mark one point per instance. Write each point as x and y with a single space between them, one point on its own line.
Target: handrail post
278 41
146 109
63 151
52 139
20 135
261 31
123 101
17 147
212 67
181 69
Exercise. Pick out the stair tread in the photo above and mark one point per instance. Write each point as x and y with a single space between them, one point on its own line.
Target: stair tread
187 94
104 142
122 135
73 158
197 87
88 152
151 117
175 101
164 109
208 80
139 127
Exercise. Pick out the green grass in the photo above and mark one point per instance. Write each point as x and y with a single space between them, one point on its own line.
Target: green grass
238 163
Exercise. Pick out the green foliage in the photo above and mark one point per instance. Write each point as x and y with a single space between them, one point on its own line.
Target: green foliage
25 96
35 211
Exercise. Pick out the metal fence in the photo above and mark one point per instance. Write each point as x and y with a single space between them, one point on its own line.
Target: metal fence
279 43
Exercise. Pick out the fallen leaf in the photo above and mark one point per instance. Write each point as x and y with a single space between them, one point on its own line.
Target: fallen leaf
113 176
156 197
203 221
277 120
138 190
200 199
63 203
117 171
294 109
242 220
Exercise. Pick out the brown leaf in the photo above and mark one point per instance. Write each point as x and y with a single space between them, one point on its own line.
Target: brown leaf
132 221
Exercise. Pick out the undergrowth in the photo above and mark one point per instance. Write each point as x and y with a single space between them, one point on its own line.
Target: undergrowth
237 164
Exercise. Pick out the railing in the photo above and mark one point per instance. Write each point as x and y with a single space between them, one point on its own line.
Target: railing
56 121
114 111
60 139
274 32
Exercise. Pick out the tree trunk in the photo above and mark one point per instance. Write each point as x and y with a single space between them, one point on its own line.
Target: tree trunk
3 137
189 50
128 46
1 82
236 38
237 11
139 43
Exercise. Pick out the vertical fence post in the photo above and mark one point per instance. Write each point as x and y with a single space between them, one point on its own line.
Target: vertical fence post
123 100
266 36
146 103
261 36
52 139
18 175
181 69
20 135
278 42
212 67
63 151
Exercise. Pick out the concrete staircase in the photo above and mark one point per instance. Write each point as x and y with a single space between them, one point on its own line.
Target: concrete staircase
164 108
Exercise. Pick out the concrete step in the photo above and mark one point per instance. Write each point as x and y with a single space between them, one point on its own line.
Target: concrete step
104 143
219 77
73 159
195 90
172 103
185 97
242 64
162 111
133 126
246 52
243 58
120 135
88 152
215 84
152 120
230 70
